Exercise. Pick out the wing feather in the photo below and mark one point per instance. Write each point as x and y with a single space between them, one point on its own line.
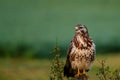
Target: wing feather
68 71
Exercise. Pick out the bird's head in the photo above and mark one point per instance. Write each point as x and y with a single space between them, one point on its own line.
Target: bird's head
81 29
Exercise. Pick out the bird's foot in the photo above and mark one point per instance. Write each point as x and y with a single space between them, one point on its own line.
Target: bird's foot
84 73
78 74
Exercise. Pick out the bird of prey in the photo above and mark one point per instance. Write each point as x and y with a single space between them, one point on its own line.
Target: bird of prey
81 53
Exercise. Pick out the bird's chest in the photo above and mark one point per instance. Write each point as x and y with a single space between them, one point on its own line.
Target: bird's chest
82 55
79 55
81 59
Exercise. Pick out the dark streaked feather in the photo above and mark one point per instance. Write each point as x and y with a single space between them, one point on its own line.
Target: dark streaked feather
68 71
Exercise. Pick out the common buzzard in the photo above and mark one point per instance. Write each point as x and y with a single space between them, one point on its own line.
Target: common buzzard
81 53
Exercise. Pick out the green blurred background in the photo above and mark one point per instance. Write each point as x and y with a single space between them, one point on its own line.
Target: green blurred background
33 25
29 28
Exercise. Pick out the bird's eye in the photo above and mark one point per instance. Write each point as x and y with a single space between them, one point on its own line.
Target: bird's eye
81 27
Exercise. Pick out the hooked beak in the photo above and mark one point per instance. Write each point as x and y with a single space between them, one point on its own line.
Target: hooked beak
76 28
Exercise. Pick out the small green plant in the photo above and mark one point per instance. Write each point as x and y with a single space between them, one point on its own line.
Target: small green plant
56 71
116 74
105 73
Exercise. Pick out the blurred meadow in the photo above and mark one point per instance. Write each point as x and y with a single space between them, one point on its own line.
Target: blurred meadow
29 28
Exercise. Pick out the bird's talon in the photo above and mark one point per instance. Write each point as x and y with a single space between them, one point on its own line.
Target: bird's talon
84 73
78 74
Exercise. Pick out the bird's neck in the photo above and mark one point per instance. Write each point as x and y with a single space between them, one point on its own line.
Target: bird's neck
81 41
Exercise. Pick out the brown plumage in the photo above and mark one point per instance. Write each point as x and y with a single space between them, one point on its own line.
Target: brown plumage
81 53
